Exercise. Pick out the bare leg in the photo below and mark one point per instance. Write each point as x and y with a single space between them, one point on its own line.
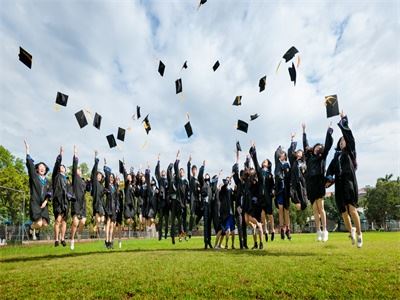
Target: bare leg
321 211
356 218
287 218
63 228
108 225
74 226
281 216
316 216
271 222
57 223
347 221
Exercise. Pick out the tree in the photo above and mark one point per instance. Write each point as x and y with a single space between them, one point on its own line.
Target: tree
14 186
382 202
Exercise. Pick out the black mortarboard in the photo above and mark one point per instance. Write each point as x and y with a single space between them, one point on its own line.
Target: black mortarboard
242 126
292 73
216 65
25 57
121 167
185 65
238 148
146 124
81 118
290 54
61 99
97 121
121 134
178 85
189 130
111 141
202 2
237 101
262 83
253 117
138 112
161 68
332 106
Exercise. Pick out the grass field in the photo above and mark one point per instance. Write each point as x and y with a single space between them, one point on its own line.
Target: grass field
149 269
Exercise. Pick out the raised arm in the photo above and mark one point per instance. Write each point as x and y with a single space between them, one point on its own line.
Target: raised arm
328 142
176 166
292 149
107 173
157 171
74 165
29 161
347 133
188 167
57 164
201 174
147 176
306 147
94 169
253 154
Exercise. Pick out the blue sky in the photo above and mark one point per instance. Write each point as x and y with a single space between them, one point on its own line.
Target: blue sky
104 55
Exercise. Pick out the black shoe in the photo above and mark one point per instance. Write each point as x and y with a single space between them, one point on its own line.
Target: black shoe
210 246
63 243
205 247
245 246
289 237
255 246
261 246
56 243
233 247
282 234
266 237
173 241
272 236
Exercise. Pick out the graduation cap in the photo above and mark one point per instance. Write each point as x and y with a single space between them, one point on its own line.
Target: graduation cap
146 124
178 85
332 106
237 101
262 83
121 167
201 3
138 112
185 66
97 121
290 53
216 65
161 68
81 118
25 57
292 73
121 134
253 117
238 148
242 126
61 99
188 129
111 141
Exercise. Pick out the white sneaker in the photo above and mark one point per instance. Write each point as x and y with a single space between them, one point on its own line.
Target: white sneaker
353 235
319 235
72 244
119 244
359 241
325 235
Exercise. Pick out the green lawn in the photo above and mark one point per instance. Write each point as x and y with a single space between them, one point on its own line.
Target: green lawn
148 269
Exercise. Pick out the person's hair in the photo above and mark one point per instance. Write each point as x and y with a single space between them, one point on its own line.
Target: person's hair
316 145
194 167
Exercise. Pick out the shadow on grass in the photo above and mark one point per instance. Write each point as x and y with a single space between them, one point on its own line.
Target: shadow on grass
138 250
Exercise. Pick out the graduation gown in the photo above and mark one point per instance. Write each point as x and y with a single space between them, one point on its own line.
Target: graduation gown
282 176
40 190
343 167
129 194
194 193
97 191
265 184
111 206
60 191
152 195
162 204
78 206
315 175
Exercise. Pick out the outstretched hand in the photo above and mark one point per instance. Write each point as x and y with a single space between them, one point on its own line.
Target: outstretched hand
26 147
75 150
342 114
96 153
177 154
61 150
303 125
292 136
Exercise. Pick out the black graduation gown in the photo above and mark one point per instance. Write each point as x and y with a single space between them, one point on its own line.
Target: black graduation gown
162 204
78 207
97 191
315 175
225 200
112 195
152 195
60 192
265 184
194 193
298 190
206 195
282 176
40 190
343 168
120 210
129 194
182 186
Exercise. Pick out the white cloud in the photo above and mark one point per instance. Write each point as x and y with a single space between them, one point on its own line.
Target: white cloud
105 56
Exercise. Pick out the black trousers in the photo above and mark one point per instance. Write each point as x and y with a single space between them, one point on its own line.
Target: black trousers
163 218
178 213
207 224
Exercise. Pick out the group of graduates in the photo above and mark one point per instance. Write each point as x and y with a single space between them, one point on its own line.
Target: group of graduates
242 200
